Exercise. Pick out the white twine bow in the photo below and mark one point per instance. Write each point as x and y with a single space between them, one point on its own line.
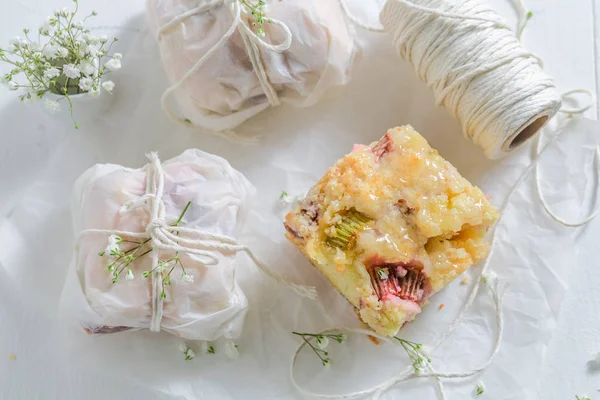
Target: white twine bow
241 16
199 245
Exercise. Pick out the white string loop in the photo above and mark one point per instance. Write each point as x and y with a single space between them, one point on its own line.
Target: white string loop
252 42
476 68
571 112
199 245
357 21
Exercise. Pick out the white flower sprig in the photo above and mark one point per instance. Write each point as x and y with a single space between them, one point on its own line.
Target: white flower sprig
479 389
170 264
207 348
187 352
64 60
258 11
231 350
415 351
418 356
121 259
322 341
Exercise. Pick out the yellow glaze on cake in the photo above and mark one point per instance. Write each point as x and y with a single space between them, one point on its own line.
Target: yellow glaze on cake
420 212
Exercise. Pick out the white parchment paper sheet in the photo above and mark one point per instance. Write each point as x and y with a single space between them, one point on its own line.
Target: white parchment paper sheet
534 255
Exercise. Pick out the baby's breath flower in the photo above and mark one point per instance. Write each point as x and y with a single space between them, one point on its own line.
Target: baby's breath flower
103 38
35 47
383 273
206 348
46 28
186 278
231 350
87 68
187 352
92 50
86 84
94 91
15 42
117 56
50 52
12 86
285 198
62 52
162 265
51 72
71 71
82 48
113 64
479 389
52 106
108 86
322 342
490 278
78 25
112 247
130 275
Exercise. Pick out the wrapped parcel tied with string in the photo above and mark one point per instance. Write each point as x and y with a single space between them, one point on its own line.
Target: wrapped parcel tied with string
156 248
229 60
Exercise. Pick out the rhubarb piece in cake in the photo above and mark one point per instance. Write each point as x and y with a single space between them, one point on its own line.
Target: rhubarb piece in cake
389 225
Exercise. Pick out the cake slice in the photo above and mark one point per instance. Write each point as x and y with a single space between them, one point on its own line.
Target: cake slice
389 225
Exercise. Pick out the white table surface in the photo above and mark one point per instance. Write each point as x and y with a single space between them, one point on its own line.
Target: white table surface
561 32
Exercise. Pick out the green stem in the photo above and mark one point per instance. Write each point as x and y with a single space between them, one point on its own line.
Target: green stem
316 351
109 47
70 103
327 335
142 255
172 268
183 213
130 241
180 263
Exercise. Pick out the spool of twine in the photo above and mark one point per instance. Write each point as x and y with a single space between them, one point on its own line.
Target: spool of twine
476 68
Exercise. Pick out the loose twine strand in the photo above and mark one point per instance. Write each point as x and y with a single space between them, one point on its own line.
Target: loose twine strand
199 245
